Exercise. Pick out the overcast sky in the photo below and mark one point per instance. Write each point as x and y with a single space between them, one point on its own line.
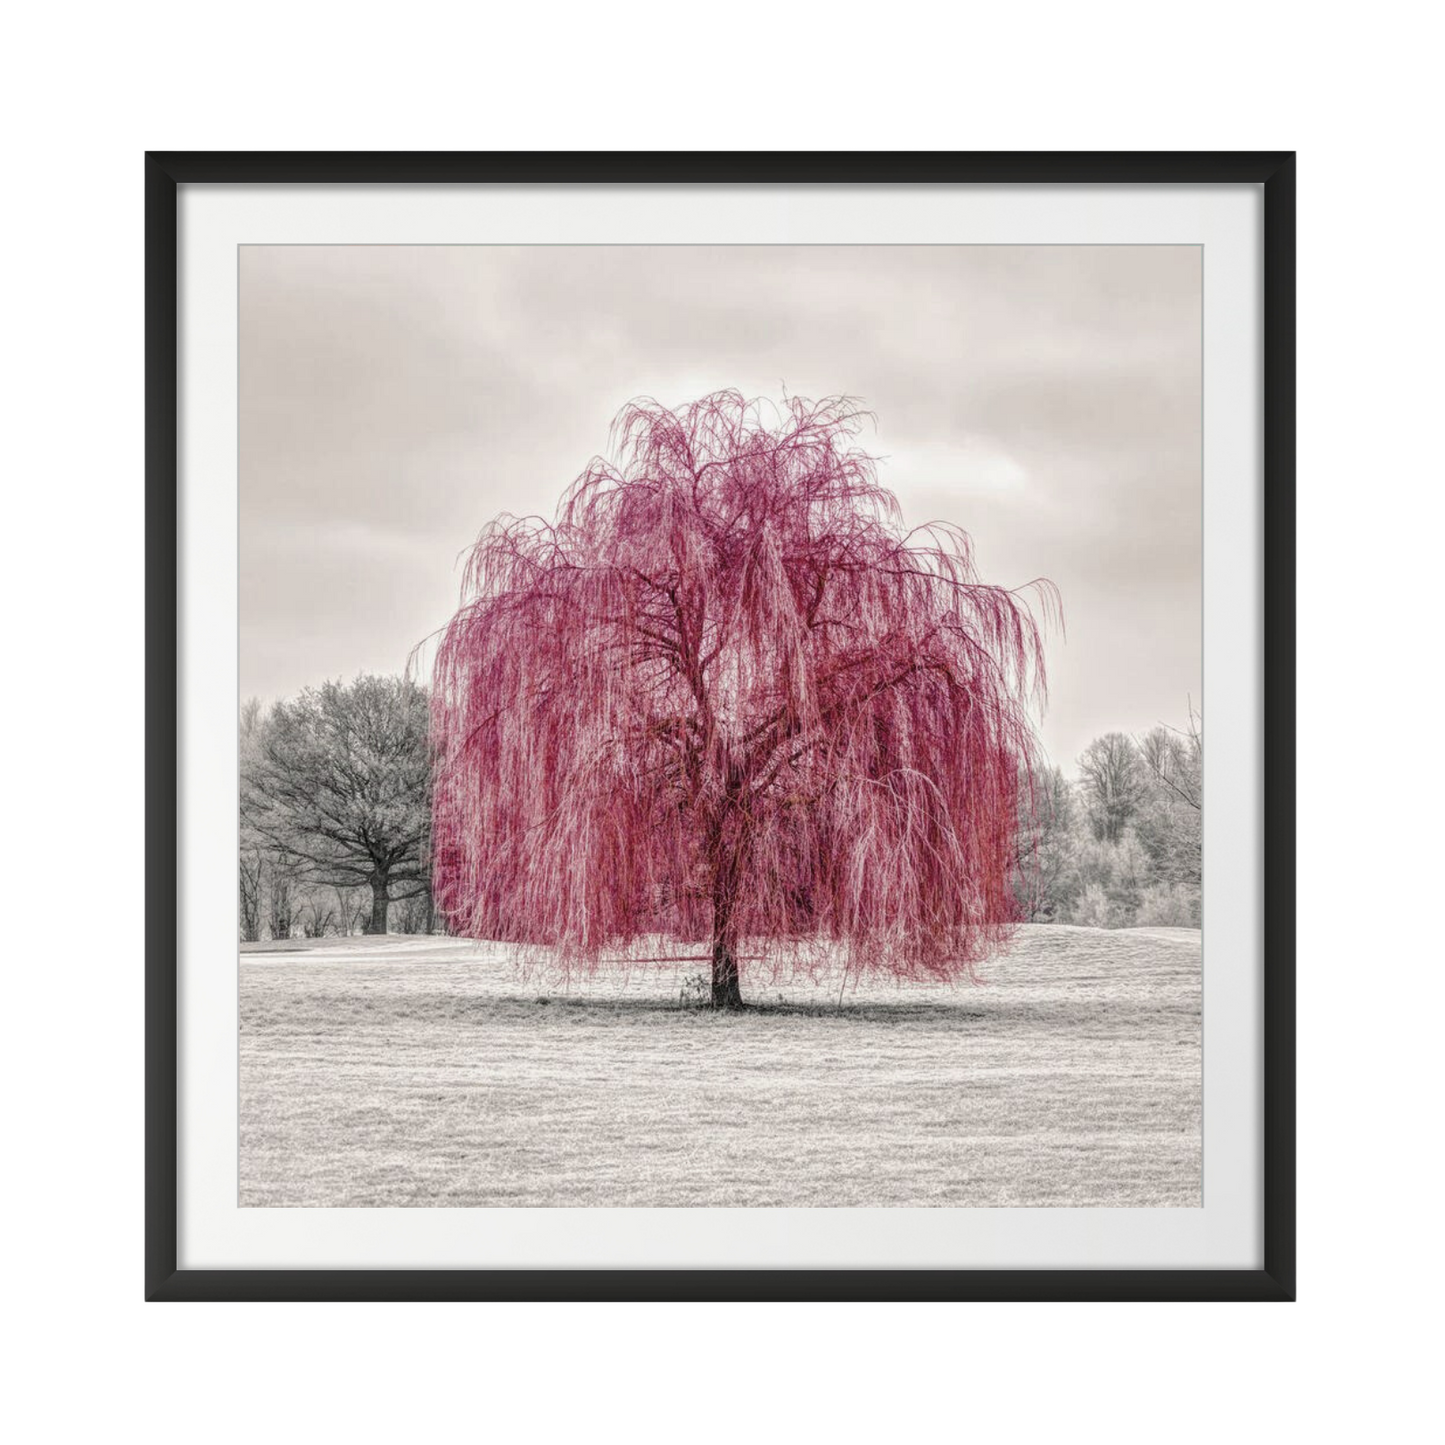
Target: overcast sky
1047 399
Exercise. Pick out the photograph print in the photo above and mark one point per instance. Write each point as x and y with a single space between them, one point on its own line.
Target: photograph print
720 726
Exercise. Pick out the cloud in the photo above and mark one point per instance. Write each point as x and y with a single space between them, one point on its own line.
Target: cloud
394 399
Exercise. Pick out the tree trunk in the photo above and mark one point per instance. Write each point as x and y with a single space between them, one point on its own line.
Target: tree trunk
380 902
725 990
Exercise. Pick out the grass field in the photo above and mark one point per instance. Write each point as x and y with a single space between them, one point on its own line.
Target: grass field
414 1071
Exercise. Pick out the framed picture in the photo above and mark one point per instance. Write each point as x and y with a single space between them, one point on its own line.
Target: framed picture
675 747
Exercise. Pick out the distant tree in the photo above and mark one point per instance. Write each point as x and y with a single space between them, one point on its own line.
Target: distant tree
339 782
1047 881
351 916
417 915
318 917
1136 860
1170 821
726 696
1093 909
251 878
251 867
1112 778
281 912
1171 905
1112 879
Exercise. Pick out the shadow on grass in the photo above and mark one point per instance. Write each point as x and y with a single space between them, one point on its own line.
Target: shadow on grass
869 1011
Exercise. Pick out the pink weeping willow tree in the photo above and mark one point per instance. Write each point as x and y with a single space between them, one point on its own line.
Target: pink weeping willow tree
725 697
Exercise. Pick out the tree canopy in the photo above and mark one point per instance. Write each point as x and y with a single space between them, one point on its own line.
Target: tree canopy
725 695
338 780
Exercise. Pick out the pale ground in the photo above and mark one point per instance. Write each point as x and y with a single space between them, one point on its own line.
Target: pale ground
413 1071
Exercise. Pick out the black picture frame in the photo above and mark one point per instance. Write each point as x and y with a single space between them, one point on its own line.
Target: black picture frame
1273 170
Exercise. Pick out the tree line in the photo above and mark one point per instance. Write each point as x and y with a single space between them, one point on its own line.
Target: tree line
336 807
1120 846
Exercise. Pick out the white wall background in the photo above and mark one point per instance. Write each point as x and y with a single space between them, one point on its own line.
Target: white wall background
89 89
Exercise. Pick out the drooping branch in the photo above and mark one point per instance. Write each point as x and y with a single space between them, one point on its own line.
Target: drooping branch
724 692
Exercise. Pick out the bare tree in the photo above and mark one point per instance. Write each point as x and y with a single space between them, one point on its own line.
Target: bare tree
1170 822
281 914
1113 779
350 916
251 872
252 866
1175 760
251 869
317 917
418 915
1047 877
341 783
